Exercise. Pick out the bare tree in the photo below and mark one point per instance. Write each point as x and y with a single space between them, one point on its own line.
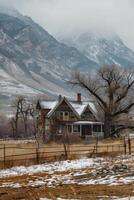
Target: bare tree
24 115
15 120
112 89
35 121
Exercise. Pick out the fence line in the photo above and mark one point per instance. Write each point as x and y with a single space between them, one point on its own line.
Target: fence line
43 154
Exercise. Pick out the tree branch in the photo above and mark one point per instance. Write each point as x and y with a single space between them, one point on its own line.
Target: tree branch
92 91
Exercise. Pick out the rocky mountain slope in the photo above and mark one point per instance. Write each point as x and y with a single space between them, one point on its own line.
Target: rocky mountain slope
33 60
102 49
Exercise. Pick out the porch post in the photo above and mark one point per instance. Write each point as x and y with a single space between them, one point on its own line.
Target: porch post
80 130
101 129
72 128
92 129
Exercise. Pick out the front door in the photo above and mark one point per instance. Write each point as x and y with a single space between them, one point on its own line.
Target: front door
86 130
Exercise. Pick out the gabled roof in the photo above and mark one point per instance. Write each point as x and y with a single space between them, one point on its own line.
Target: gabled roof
92 109
80 107
59 103
48 104
77 107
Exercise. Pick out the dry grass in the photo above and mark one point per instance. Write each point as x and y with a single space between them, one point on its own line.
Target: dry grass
19 153
67 191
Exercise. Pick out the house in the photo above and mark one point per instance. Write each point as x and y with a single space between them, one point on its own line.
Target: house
73 116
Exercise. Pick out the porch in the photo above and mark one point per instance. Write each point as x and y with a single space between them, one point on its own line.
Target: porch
86 129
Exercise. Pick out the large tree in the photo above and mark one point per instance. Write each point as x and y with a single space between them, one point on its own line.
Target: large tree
112 88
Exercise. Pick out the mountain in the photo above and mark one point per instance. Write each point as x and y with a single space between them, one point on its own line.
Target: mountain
32 61
102 48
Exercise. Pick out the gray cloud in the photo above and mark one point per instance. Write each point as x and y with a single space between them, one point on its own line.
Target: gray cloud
71 16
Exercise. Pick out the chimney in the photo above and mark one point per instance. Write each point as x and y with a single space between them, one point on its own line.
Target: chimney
78 97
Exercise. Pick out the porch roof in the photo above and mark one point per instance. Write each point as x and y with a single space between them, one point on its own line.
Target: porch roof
87 123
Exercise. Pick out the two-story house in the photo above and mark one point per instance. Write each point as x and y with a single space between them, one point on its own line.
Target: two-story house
73 116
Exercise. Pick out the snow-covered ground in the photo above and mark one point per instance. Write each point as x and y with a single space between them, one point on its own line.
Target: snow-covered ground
85 171
51 168
63 166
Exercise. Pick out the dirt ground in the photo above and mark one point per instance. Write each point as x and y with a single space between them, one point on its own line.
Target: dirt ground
65 191
68 192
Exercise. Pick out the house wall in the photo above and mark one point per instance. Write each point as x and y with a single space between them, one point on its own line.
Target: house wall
62 109
62 115
42 118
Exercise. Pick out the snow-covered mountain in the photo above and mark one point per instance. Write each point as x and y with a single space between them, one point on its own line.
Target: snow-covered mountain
102 48
32 61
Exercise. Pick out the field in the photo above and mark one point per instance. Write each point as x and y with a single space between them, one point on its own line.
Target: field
90 173
85 178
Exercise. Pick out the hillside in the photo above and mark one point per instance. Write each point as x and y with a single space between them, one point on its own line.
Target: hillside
33 59
33 62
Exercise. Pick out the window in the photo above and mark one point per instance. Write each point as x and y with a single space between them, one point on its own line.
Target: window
61 116
64 115
76 128
96 128
47 124
47 127
72 116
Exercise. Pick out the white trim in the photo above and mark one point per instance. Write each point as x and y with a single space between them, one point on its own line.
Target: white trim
88 122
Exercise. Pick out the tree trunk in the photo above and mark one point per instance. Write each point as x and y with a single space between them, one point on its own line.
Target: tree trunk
107 125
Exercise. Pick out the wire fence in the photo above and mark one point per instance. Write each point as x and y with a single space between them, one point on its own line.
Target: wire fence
14 155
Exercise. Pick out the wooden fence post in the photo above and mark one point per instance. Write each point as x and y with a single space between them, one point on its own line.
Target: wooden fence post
125 150
96 146
129 145
37 155
4 155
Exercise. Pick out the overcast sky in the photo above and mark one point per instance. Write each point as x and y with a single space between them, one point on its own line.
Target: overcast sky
77 16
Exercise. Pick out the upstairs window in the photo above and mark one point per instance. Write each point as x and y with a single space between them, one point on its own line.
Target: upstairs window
64 115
